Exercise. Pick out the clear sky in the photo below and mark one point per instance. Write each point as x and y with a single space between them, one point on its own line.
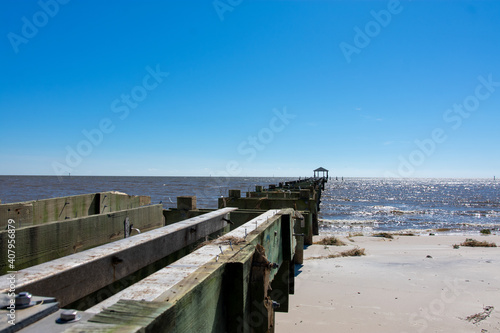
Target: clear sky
250 88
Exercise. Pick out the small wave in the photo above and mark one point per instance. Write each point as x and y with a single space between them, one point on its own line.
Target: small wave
384 207
348 222
394 211
479 225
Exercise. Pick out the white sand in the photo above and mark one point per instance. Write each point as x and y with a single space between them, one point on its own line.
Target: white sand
396 288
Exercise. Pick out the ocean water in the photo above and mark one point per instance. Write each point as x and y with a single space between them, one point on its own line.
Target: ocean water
160 189
462 206
353 205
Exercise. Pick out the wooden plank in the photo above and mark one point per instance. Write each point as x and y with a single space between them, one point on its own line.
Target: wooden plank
203 283
281 287
113 201
191 306
236 296
21 213
62 208
152 287
262 319
130 312
75 276
59 209
102 328
52 240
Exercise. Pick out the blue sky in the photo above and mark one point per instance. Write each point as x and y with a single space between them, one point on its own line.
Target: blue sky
250 88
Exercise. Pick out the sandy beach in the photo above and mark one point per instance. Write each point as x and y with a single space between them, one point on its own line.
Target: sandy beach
406 284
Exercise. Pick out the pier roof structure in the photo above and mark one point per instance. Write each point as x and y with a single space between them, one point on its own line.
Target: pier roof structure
321 171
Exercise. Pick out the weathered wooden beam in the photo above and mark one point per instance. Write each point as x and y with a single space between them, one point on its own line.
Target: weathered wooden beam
209 290
48 241
238 217
75 276
157 284
153 286
69 207
305 203
236 295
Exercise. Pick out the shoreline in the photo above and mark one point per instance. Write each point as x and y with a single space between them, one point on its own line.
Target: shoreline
407 284
410 232
341 228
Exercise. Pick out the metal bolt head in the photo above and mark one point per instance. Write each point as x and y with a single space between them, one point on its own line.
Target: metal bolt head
68 315
23 298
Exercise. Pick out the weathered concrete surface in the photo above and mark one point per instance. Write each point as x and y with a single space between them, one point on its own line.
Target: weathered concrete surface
48 241
72 277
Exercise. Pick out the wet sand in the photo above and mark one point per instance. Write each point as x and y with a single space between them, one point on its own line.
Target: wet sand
407 284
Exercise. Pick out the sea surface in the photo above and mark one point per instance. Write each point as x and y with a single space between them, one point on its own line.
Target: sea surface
367 205
452 206
160 189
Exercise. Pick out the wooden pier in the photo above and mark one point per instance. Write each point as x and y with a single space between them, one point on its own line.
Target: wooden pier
196 270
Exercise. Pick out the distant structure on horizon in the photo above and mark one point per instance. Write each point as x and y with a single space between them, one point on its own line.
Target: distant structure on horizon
320 171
